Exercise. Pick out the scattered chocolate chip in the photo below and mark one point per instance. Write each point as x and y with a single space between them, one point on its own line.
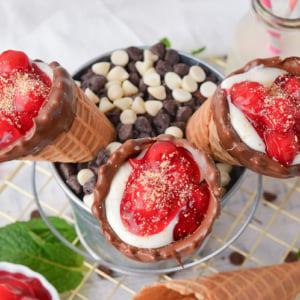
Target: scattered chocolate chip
236 258
125 132
183 113
159 49
66 170
96 83
180 125
161 122
269 196
105 270
291 257
135 53
82 165
171 107
181 69
142 86
88 187
162 67
102 157
134 78
114 115
74 184
35 214
172 56
142 124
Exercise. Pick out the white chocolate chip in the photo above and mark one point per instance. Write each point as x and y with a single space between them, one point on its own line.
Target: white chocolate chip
197 73
208 88
105 105
149 56
224 167
101 68
158 92
91 95
112 82
84 175
129 88
88 200
189 84
117 73
119 57
143 66
151 77
173 80
224 173
153 107
114 92
181 95
112 147
138 105
175 131
123 103
128 116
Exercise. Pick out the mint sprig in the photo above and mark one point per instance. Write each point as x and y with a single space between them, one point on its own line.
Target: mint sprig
198 51
166 41
32 244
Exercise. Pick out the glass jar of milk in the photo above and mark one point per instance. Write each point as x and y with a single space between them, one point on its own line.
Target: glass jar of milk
271 28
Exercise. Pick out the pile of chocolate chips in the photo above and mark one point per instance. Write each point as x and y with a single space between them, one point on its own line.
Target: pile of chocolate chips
173 113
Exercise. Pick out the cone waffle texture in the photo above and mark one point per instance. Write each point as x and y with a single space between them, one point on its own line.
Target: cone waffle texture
90 131
202 132
279 282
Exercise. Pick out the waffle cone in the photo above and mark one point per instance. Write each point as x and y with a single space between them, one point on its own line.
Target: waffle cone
202 132
90 131
279 282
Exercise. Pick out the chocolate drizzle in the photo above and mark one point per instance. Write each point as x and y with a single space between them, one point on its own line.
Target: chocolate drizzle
257 161
180 248
55 116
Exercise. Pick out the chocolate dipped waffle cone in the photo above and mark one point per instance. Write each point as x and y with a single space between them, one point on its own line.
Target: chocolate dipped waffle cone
279 282
68 127
210 127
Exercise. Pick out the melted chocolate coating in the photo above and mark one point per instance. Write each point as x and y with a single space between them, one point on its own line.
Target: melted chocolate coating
177 249
55 116
257 161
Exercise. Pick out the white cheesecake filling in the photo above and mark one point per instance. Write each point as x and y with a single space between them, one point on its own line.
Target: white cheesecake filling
45 68
113 204
241 125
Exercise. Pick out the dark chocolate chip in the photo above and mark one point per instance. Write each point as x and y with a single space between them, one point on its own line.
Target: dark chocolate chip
105 270
88 187
162 67
114 115
142 87
102 157
172 56
161 122
183 113
35 214
170 107
181 69
144 134
66 170
96 83
134 78
180 125
159 49
82 165
291 257
74 184
131 67
212 78
142 124
193 104
125 132
269 196
236 258
135 53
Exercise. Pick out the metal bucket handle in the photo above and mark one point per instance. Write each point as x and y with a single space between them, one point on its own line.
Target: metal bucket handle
167 270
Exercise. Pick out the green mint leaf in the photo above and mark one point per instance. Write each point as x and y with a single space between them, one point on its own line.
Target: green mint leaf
59 264
166 42
39 227
197 51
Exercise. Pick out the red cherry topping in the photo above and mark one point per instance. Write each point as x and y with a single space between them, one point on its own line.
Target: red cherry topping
274 113
12 60
23 90
164 183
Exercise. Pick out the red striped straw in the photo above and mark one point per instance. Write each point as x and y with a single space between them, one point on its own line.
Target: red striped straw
274 46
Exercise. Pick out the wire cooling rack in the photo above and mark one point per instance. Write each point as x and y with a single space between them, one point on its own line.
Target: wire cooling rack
272 234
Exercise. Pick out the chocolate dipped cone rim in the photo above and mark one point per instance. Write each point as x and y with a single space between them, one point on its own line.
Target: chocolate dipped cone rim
257 161
177 249
55 116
